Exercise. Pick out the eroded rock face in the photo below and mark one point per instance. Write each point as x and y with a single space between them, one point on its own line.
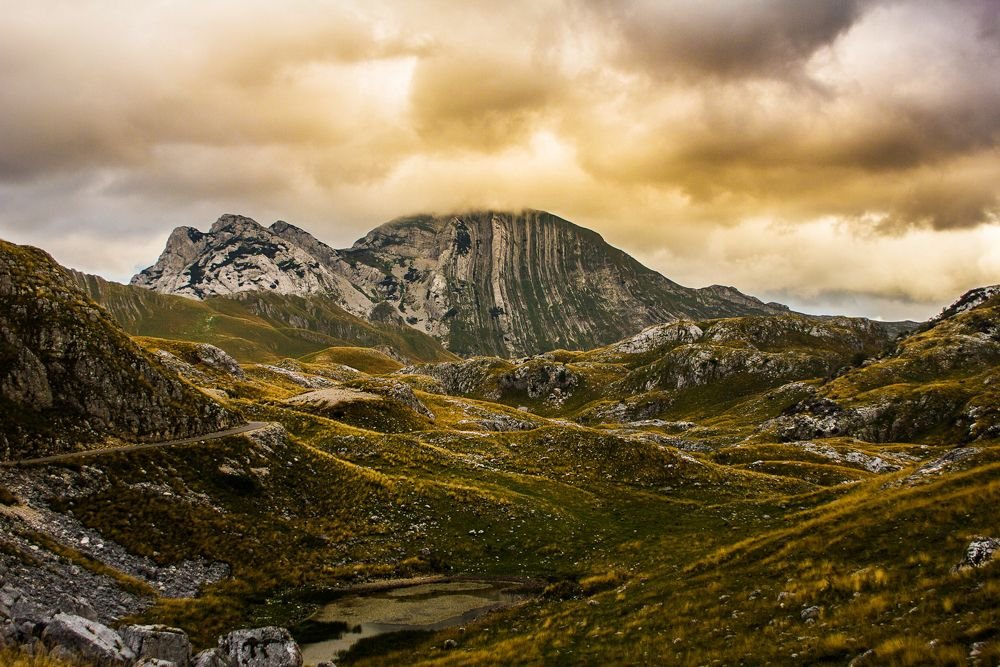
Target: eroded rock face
462 377
261 647
69 374
486 282
540 379
657 336
87 640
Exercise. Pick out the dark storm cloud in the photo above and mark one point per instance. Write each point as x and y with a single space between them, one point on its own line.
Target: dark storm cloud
727 38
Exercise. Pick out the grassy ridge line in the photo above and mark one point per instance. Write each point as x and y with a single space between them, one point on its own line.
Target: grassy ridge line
256 327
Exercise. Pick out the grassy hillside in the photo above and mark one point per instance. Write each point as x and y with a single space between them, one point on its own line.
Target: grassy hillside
785 490
255 326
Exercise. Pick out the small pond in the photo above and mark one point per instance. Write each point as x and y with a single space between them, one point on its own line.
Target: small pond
423 607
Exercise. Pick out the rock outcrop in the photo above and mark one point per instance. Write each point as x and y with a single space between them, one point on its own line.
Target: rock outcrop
70 375
260 647
940 379
980 552
485 282
78 640
157 642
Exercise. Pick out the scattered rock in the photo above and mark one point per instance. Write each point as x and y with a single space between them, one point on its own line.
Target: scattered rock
975 652
810 613
450 644
218 359
942 463
866 658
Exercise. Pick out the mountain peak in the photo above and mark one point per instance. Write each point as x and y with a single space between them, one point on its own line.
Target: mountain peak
236 224
483 282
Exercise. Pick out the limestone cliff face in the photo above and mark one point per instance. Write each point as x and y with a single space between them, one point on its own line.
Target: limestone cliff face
485 282
239 255
69 375
520 283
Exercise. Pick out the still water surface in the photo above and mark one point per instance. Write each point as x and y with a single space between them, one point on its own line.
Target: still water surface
432 606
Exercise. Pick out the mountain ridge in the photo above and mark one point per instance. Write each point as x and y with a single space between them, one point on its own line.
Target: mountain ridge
70 376
482 282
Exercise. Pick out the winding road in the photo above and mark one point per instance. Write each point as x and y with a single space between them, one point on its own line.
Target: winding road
237 430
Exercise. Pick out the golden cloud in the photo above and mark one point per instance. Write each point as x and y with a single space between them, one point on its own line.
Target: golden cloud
665 125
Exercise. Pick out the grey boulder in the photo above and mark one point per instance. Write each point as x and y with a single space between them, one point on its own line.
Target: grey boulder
210 658
261 647
89 640
158 642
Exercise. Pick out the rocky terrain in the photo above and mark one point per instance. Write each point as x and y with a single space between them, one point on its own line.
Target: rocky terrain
488 282
69 376
768 488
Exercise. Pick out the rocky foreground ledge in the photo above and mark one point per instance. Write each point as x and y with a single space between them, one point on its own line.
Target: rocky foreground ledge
77 639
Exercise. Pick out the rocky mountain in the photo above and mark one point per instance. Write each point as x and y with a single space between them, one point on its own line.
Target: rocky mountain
70 376
940 383
485 282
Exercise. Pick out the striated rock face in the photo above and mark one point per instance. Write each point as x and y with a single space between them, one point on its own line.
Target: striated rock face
486 282
521 283
70 375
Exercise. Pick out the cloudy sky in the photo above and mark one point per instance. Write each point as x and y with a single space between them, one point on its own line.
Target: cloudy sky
835 155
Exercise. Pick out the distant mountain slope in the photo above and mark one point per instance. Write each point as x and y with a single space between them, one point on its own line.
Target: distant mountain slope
256 326
668 370
69 375
482 283
939 384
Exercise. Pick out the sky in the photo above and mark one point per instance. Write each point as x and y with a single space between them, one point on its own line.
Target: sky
839 156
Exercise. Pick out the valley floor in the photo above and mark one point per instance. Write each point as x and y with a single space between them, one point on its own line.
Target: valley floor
781 504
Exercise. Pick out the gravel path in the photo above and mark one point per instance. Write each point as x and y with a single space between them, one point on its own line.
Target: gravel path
245 428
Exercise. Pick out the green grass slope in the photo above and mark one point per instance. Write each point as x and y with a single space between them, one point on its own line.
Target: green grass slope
255 326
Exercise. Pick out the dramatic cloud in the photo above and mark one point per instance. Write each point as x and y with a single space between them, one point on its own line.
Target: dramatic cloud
727 38
838 155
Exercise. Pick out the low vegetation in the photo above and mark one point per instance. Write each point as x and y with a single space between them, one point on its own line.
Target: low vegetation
740 491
